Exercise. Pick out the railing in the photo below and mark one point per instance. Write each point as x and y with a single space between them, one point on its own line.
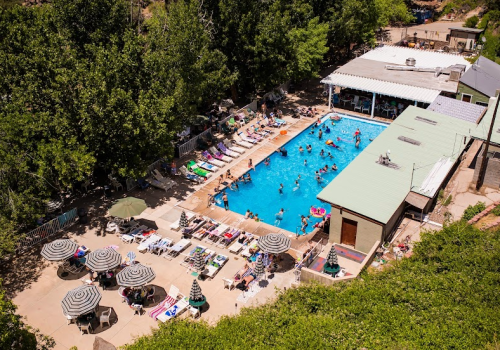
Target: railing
131 184
47 230
192 143
309 258
155 165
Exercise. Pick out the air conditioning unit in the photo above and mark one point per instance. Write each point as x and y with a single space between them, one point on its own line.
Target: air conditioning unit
454 75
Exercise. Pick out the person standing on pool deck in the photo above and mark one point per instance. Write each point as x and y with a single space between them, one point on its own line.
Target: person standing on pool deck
224 198
250 164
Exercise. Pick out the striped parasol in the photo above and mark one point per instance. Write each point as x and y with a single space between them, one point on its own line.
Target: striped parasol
195 294
183 221
198 264
102 260
332 257
265 259
81 300
60 249
135 276
259 269
274 243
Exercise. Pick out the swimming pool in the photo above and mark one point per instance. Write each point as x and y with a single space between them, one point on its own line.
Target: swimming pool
262 195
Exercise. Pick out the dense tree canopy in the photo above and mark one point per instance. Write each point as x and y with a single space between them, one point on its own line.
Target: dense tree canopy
444 297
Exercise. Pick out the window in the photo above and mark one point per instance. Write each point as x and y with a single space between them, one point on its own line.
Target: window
484 104
466 98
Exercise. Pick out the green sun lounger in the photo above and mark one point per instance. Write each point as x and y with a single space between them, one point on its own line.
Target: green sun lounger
191 165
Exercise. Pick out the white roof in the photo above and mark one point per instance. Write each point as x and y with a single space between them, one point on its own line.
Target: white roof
423 58
412 93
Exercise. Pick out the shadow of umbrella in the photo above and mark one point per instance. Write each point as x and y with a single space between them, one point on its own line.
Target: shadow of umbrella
96 324
160 295
148 223
67 276
263 283
287 263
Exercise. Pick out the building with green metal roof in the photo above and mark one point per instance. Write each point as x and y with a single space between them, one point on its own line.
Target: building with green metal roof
403 167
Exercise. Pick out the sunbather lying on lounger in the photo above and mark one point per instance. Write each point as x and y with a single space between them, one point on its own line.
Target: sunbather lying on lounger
240 273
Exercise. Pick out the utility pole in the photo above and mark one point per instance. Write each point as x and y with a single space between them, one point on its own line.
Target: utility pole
482 169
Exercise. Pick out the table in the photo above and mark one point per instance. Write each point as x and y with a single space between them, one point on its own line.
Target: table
344 101
331 269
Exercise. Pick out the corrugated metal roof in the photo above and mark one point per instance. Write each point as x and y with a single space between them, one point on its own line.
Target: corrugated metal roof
423 58
457 109
483 76
467 30
481 130
412 93
376 191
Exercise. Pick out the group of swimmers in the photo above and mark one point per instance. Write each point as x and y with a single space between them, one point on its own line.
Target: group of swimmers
250 215
297 185
233 185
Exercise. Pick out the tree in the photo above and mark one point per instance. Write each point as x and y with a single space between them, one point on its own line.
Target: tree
471 22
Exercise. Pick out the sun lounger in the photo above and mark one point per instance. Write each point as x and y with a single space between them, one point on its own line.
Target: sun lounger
191 166
227 151
203 231
252 245
149 241
247 139
219 155
243 143
158 184
161 246
190 216
236 247
215 265
207 166
215 235
232 147
167 303
174 310
192 177
176 249
228 237
142 235
193 226
208 157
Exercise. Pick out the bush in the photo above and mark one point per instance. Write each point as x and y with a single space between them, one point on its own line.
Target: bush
472 211
437 299
447 201
471 22
496 211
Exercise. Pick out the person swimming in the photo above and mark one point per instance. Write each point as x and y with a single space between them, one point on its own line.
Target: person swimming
279 217
267 161
299 178
327 130
248 178
325 168
309 148
358 141
280 190
356 133
329 155
322 153
334 167
301 149
305 162
320 134
297 186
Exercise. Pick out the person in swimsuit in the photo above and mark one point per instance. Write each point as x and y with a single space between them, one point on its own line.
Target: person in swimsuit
329 155
280 190
248 178
301 149
320 134
224 198
305 162
250 163
305 223
267 162
334 167
322 153
309 148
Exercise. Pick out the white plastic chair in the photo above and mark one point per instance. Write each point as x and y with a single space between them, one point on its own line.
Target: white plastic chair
104 318
228 283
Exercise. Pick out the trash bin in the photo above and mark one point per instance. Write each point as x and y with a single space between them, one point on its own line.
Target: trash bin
82 215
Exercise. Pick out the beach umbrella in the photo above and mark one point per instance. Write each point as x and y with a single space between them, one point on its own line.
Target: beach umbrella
198 264
127 207
183 221
101 260
274 243
60 249
195 294
259 269
131 257
81 300
135 276
332 257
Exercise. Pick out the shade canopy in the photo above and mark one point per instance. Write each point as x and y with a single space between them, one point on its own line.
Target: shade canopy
60 249
183 221
259 267
81 300
102 260
135 276
128 207
274 243
198 262
195 294
332 258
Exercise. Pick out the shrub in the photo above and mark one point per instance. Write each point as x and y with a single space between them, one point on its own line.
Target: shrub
447 201
472 211
496 211
471 22
436 299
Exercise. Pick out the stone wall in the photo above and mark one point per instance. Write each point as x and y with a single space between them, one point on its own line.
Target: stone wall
492 172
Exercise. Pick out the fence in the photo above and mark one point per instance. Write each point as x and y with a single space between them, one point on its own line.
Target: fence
192 144
47 230
309 258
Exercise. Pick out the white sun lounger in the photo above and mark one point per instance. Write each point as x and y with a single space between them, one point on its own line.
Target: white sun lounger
210 159
207 166
175 310
161 246
220 155
146 243
243 143
213 267
232 147
252 245
236 247
175 226
173 251
215 235
246 138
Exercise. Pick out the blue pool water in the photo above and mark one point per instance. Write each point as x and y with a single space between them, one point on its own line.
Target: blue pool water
262 194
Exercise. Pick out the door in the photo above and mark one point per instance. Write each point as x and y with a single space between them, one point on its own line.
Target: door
349 230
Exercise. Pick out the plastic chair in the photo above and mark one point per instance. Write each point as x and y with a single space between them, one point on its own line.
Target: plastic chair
151 294
85 328
229 284
104 318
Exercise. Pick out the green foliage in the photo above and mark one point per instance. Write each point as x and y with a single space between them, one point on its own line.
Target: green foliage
392 11
16 335
496 211
473 210
471 22
438 299
447 201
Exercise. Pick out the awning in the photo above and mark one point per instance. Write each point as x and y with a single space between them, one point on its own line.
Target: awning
407 92
417 200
